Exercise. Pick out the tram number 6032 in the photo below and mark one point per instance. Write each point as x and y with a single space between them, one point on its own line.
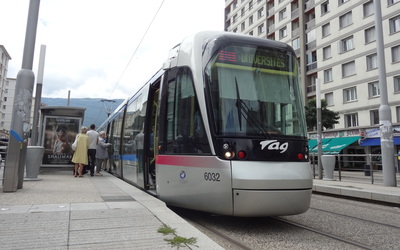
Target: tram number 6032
211 176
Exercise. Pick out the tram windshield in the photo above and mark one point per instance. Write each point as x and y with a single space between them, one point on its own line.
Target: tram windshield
255 92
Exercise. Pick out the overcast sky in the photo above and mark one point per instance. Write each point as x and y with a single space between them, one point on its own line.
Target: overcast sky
89 43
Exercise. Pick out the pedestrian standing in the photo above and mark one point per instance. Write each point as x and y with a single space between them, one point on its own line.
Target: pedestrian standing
94 139
101 151
80 157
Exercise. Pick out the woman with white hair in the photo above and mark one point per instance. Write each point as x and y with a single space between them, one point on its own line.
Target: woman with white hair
80 157
101 152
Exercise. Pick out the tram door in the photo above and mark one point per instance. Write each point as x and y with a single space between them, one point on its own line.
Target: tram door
151 135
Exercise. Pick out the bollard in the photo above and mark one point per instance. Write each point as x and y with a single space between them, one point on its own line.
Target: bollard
34 155
328 164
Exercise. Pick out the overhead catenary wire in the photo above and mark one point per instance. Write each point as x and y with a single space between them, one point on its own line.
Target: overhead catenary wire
137 48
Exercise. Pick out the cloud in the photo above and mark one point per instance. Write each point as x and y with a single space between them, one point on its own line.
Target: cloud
89 43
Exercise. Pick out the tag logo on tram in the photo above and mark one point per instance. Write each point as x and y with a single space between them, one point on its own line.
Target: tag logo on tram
274 145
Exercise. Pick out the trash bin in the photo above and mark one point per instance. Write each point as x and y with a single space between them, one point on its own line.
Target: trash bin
34 155
328 164
367 170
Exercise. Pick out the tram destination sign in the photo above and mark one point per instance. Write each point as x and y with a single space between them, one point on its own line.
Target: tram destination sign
254 58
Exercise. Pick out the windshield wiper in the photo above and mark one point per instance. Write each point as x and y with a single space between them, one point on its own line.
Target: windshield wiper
244 110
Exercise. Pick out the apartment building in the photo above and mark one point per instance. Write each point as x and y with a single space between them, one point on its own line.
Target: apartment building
7 103
5 92
335 41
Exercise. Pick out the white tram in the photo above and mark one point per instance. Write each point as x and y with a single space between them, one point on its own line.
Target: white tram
220 128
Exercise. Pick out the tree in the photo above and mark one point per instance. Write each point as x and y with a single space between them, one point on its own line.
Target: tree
328 117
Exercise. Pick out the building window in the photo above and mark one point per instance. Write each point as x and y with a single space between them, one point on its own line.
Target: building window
251 4
372 62
234 4
345 20
234 30
260 13
235 17
4 106
368 9
398 113
5 98
326 30
351 120
329 99
394 24
282 14
251 20
391 2
296 43
251 33
311 57
396 54
370 35
350 94
374 116
282 32
396 82
325 7
346 44
373 89
261 29
348 69
327 52
243 26
328 75
342 1
242 11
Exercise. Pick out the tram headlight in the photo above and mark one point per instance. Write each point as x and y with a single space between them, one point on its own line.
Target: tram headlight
229 155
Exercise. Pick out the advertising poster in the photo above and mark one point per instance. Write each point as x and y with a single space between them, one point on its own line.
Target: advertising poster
58 135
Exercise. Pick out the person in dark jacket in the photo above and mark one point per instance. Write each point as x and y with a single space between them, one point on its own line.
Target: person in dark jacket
101 152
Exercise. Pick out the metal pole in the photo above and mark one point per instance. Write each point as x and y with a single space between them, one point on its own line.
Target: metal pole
38 97
385 118
319 129
15 163
69 97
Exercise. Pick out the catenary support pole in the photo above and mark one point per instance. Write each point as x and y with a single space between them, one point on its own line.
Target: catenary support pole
319 128
38 97
385 117
15 161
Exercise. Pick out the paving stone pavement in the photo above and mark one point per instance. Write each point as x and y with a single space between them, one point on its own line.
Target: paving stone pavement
101 212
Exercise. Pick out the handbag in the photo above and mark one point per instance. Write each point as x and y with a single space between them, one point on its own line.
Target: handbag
75 144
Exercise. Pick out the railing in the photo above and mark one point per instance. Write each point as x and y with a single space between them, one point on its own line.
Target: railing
363 168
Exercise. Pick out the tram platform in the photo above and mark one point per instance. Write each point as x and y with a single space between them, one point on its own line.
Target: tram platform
100 212
356 185
103 212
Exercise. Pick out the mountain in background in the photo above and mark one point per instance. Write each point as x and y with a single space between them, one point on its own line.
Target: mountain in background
96 110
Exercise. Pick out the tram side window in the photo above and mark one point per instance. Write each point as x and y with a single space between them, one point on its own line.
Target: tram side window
185 128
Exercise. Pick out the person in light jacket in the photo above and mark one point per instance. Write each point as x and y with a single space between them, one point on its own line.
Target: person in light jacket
80 157
101 152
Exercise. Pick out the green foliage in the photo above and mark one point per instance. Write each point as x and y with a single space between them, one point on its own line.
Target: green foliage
328 117
177 241
166 230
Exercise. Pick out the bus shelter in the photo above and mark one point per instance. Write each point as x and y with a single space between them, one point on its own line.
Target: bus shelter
59 127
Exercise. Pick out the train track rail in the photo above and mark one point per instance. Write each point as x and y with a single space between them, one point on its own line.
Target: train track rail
330 223
329 235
